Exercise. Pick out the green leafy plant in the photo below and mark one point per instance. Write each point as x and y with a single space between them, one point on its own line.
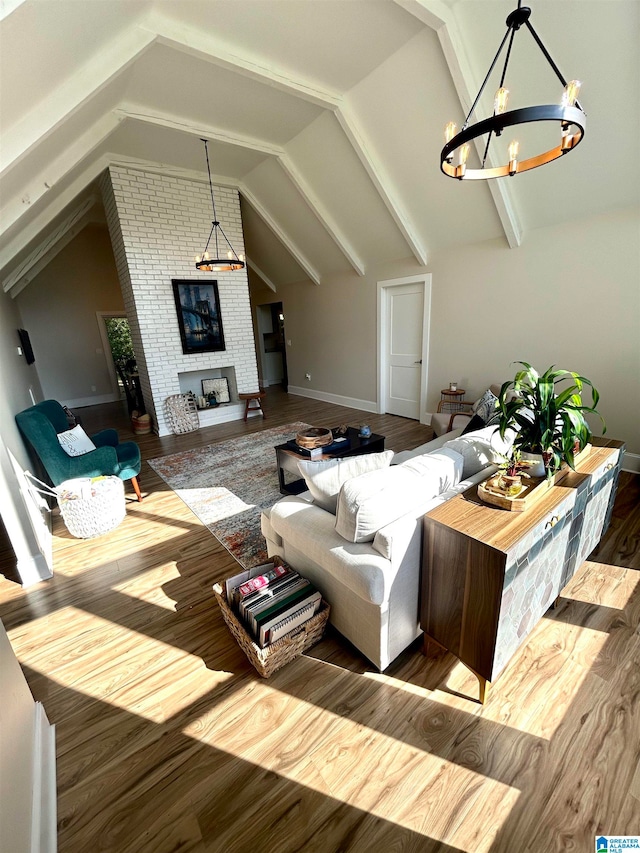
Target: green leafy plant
547 414
124 359
513 465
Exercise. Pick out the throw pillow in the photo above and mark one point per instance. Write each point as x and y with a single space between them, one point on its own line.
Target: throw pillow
373 500
324 478
75 442
474 424
481 448
442 468
485 407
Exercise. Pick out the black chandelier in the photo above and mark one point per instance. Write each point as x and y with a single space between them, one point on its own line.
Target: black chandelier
568 114
217 264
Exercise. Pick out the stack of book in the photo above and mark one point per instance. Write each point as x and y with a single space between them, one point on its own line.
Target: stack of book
272 600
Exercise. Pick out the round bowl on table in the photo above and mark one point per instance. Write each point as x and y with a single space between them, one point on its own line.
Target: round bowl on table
314 437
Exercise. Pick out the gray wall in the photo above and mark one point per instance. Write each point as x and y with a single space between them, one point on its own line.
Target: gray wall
570 296
59 311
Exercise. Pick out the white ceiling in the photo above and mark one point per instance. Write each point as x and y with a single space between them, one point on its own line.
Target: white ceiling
326 114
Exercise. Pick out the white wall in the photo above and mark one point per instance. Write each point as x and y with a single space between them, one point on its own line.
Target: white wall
158 224
59 311
17 734
27 767
570 296
17 379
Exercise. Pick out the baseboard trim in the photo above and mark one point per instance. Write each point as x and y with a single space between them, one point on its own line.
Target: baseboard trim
44 806
80 402
631 462
337 399
33 570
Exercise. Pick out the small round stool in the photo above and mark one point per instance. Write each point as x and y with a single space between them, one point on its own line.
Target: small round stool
253 396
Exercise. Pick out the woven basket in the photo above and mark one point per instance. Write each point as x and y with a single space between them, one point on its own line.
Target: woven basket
141 424
314 437
181 413
266 661
92 516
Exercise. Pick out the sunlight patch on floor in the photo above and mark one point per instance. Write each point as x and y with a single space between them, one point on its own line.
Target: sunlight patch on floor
213 504
116 665
403 783
598 587
149 586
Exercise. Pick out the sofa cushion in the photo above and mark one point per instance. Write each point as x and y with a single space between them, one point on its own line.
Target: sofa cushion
310 530
474 425
324 478
444 467
373 500
481 448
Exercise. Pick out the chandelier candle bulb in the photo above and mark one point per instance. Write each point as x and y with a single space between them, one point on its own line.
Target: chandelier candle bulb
500 101
464 156
514 147
449 133
571 92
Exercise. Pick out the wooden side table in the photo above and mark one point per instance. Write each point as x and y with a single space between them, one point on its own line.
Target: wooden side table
451 401
489 575
255 397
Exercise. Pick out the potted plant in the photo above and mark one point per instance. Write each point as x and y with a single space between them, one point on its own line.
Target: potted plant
511 471
547 419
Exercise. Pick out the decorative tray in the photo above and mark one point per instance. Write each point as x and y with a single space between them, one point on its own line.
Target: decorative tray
531 491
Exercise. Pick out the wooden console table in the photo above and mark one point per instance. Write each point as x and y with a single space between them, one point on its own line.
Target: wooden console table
489 575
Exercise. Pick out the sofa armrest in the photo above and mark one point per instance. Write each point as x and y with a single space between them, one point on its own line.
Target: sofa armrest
459 420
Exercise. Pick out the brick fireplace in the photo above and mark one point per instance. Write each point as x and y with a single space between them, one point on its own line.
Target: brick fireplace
158 224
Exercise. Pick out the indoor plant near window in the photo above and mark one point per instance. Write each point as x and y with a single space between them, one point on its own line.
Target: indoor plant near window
547 414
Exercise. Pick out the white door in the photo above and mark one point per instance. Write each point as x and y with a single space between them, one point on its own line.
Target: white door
404 323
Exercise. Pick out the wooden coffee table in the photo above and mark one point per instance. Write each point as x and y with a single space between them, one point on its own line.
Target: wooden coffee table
287 458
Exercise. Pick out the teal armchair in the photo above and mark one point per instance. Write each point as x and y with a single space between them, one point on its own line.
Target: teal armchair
40 425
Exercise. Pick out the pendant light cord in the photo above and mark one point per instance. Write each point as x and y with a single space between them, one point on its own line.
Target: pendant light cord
215 222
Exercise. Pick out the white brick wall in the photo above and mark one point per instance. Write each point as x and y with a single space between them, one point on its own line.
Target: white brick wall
158 224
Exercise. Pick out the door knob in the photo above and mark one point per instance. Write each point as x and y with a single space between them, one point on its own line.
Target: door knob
418 362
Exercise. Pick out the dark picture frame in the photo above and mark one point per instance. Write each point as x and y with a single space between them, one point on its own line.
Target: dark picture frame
27 349
199 318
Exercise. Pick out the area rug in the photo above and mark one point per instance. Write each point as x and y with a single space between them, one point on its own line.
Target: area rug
227 486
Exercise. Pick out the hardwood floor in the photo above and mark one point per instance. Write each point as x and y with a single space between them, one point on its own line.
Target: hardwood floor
167 740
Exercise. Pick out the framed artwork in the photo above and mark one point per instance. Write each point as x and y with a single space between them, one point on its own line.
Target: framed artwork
198 309
219 387
26 346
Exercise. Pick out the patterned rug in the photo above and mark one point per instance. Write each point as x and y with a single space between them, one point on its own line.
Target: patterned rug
228 485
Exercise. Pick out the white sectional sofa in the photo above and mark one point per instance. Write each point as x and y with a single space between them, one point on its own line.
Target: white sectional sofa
366 558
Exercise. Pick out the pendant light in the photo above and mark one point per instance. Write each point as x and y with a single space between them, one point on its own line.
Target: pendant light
206 263
567 114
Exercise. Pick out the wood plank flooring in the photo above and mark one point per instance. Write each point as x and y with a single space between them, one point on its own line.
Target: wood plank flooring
167 740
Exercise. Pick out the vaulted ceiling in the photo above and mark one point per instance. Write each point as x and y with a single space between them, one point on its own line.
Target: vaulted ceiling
326 114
